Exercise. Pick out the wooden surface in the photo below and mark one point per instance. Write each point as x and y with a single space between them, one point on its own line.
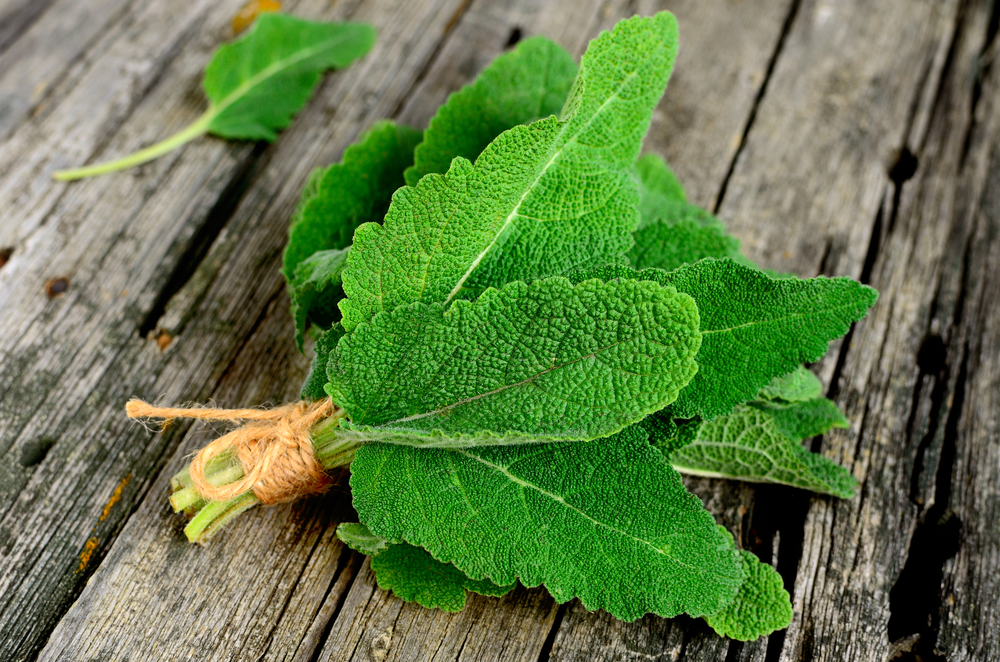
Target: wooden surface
833 137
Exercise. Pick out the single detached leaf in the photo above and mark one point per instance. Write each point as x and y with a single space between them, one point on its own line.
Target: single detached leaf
541 199
681 234
797 386
361 539
527 363
761 606
607 521
526 84
746 445
316 289
258 82
313 387
416 576
801 420
755 327
658 187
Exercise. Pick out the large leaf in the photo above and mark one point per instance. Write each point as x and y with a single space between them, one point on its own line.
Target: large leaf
257 83
755 327
540 200
527 363
761 606
526 84
747 445
607 521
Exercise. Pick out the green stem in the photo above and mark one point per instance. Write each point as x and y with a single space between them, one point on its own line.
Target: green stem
198 128
188 497
216 514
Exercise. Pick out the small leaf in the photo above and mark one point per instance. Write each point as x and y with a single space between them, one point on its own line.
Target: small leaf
797 386
361 539
761 606
316 289
540 200
256 83
746 445
416 576
607 521
801 420
527 363
526 84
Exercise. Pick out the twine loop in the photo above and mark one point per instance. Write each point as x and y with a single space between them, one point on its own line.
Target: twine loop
273 446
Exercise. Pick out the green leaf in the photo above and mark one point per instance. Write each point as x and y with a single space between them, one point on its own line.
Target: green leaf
339 198
801 420
313 387
666 434
541 199
316 289
755 327
747 445
761 606
361 539
797 386
258 82
658 187
526 84
607 521
413 574
680 234
527 363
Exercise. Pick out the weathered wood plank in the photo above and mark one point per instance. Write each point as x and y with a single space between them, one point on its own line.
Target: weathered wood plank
70 363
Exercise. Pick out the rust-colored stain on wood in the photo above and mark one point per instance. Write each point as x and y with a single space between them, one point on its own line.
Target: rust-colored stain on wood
249 12
163 340
116 496
88 551
56 287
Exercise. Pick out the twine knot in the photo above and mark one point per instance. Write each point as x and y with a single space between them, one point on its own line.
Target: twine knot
273 447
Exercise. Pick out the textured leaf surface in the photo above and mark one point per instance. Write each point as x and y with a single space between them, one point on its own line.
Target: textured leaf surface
339 198
658 187
680 234
316 289
314 386
526 84
416 576
607 521
755 328
747 445
539 362
541 199
258 82
797 386
761 606
801 420
361 539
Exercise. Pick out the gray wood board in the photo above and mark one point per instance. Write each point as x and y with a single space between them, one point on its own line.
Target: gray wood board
789 117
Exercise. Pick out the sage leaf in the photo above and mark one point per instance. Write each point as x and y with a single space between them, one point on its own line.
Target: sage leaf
526 84
540 200
528 363
762 604
361 539
258 82
659 188
607 521
316 289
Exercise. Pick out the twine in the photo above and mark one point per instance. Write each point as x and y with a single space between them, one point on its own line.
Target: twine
274 449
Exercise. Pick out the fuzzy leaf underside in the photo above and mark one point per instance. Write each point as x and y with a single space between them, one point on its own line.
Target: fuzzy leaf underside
747 445
316 289
526 84
339 198
361 539
801 420
658 187
257 83
528 363
607 521
540 200
761 606
755 328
